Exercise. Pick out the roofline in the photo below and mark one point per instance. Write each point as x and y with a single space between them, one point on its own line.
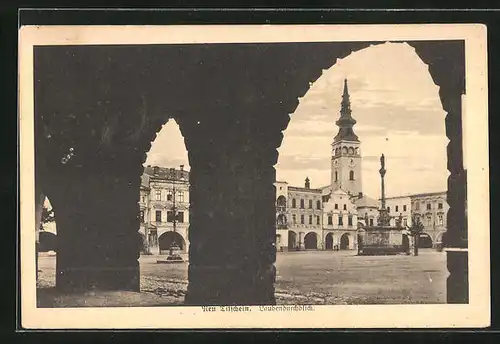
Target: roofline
418 194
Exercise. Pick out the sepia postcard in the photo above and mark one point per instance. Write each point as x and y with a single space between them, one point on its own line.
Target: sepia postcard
254 176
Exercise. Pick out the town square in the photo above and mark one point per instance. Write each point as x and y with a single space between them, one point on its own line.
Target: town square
310 277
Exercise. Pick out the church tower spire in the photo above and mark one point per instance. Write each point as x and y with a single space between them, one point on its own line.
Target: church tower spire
346 122
346 154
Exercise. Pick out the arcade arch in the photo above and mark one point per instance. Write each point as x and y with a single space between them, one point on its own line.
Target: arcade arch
311 241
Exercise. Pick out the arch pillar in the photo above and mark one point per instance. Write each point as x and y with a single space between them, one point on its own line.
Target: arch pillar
97 222
232 215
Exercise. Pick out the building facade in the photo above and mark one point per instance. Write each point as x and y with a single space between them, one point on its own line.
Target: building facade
329 217
164 209
431 209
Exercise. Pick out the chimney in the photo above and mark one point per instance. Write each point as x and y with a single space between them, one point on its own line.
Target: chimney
307 184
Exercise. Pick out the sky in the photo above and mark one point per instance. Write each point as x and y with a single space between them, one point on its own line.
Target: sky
398 112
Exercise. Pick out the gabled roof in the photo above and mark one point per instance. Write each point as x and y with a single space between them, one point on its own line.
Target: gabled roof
366 202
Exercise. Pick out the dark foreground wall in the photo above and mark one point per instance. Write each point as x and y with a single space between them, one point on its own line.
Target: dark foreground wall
103 105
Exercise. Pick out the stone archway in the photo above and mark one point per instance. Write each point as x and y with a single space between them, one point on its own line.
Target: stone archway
425 241
48 242
166 240
344 242
95 190
329 241
311 241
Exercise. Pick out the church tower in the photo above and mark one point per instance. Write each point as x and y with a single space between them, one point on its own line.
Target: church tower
346 154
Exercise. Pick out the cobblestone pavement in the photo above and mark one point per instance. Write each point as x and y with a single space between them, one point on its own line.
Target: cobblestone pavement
313 277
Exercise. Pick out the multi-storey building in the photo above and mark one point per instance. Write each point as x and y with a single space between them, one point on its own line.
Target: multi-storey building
431 208
329 217
164 208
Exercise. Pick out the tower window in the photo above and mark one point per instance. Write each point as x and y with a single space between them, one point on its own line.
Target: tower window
388 209
336 176
351 175
349 220
371 222
397 208
141 216
345 206
336 206
404 207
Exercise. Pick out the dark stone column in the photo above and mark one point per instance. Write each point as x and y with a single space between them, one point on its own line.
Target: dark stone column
232 215
97 224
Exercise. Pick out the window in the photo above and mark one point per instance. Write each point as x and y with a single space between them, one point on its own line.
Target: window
330 220
318 204
294 218
169 195
310 204
158 216
143 199
318 220
158 195
294 203
404 207
141 216
440 220
310 219
371 222
349 220
302 219
428 206
180 196
388 209
336 206
417 206
440 205
180 217
405 222
351 175
301 203
429 221
345 206
170 216
341 222
336 176
397 209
